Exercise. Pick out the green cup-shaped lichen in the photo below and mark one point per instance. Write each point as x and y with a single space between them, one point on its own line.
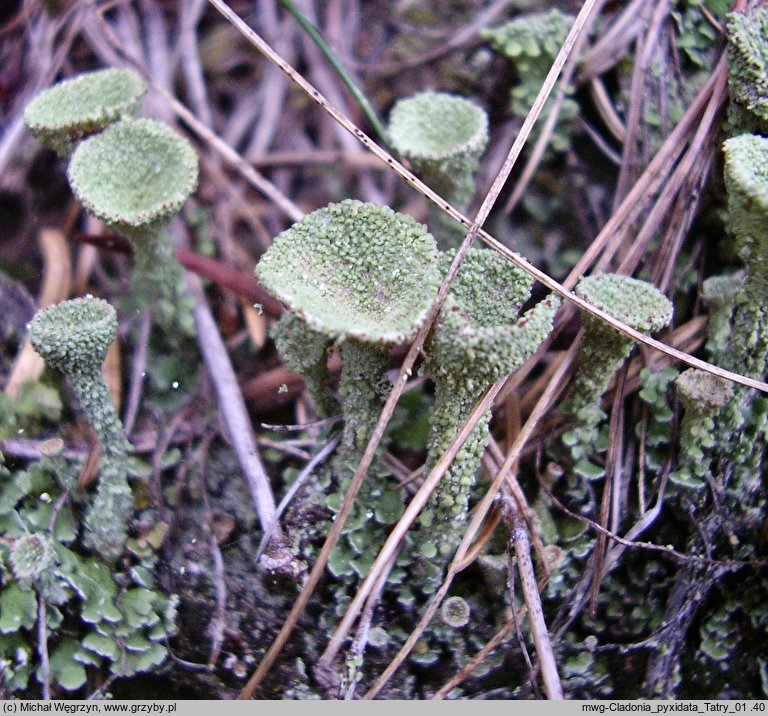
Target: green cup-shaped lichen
748 67
702 396
73 337
359 274
455 612
135 176
478 339
364 276
636 303
355 271
64 114
746 178
443 137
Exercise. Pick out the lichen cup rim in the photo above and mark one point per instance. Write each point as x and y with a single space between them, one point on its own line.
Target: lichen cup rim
406 143
75 332
83 117
486 347
323 271
647 310
110 173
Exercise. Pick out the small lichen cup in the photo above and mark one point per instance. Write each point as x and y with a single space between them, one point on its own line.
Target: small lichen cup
135 176
443 137
479 338
62 115
73 338
703 396
638 304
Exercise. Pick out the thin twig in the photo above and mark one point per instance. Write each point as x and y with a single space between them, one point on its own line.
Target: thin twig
518 538
303 476
231 404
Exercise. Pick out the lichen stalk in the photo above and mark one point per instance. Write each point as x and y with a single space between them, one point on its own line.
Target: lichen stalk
748 69
636 303
305 352
702 396
746 178
478 339
73 337
363 388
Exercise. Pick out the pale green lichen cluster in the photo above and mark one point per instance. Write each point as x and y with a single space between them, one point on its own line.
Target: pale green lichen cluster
132 174
364 277
73 337
478 338
135 176
531 43
61 116
636 303
96 617
443 137
748 69
702 396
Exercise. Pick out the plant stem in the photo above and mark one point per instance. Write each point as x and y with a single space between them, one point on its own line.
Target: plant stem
349 83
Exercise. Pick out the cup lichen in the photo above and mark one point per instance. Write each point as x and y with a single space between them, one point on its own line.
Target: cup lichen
73 338
638 304
478 339
364 277
135 176
443 137
62 115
